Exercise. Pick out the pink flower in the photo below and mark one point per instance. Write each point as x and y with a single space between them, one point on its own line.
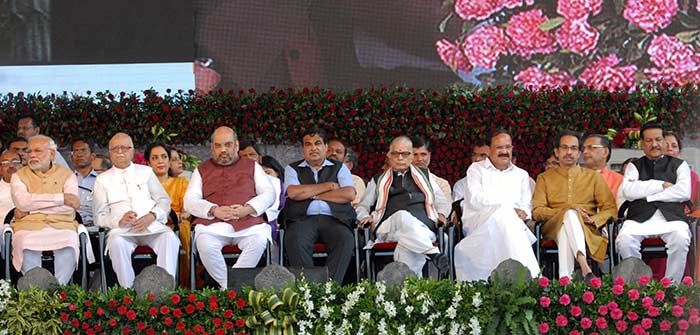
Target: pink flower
535 79
574 332
525 35
616 314
632 316
647 323
601 323
686 73
575 311
564 299
562 321
667 51
633 294
647 302
481 9
682 300
543 282
643 280
604 75
687 281
545 301
603 310
665 282
612 305
638 330
577 36
621 326
586 323
576 9
677 311
659 295
683 324
619 281
618 289
564 281
694 320
665 325
650 15
694 312
596 282
485 46
653 311
452 55
543 328
588 297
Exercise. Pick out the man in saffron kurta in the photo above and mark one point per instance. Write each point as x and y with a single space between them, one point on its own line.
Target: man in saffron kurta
575 204
596 155
228 194
46 197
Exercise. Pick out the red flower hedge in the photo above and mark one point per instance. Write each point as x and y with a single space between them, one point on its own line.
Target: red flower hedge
367 118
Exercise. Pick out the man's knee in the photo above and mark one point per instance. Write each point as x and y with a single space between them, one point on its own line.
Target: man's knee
296 238
627 243
677 240
256 242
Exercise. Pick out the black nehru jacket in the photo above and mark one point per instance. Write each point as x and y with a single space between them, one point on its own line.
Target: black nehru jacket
404 194
665 169
295 210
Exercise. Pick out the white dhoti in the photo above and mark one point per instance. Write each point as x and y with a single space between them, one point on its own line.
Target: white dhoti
28 245
502 236
211 238
676 234
120 246
414 239
570 241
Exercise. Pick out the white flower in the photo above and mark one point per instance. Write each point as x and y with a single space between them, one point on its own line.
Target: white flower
456 328
404 295
419 331
381 327
352 300
440 329
390 309
328 328
303 326
409 310
476 300
401 329
475 326
365 317
324 312
451 312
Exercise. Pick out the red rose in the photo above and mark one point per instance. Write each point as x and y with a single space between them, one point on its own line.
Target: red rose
228 314
180 326
140 326
192 297
199 305
177 312
240 323
216 322
113 322
168 321
121 310
127 300
189 309
152 311
75 323
228 324
131 314
151 297
164 309
231 294
240 303
87 314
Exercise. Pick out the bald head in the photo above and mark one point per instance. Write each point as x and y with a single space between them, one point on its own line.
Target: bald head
224 146
121 150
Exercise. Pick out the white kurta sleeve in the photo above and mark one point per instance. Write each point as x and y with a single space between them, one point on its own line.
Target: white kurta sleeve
368 200
633 188
442 205
194 202
524 203
680 191
265 197
162 199
100 206
477 195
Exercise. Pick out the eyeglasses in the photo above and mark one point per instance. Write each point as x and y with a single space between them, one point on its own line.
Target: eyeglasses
404 154
482 155
593 146
13 162
80 152
567 148
120 148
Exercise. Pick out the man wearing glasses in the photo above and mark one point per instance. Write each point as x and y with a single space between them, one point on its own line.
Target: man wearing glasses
130 201
596 155
19 146
575 204
407 206
82 154
28 126
319 192
9 164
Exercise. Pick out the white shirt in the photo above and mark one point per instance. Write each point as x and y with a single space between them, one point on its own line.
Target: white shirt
459 190
489 188
6 204
199 207
633 189
135 188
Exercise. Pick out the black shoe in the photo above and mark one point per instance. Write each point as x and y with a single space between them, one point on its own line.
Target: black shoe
442 263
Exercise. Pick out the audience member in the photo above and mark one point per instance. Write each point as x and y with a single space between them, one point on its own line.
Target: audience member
422 151
494 214
404 204
250 150
351 161
276 172
623 167
19 146
673 149
596 155
575 204
319 192
336 150
177 166
46 198
656 187
28 126
130 201
480 151
9 164
552 162
82 155
228 194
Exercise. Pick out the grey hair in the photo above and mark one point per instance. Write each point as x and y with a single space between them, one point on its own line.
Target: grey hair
52 144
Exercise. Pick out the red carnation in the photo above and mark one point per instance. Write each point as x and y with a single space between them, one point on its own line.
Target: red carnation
127 300
543 328
485 45
177 312
604 75
650 15
561 321
168 321
525 35
240 303
131 314
577 36
240 323
175 299
231 294
667 51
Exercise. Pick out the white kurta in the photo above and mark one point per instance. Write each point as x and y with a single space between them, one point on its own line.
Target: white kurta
211 238
676 234
493 230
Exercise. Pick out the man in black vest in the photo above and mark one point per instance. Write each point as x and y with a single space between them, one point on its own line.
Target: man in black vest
656 187
403 204
319 192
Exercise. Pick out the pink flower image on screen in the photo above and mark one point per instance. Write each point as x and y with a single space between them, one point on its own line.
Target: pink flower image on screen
535 79
485 46
482 9
650 15
577 36
604 75
667 51
452 55
578 9
525 35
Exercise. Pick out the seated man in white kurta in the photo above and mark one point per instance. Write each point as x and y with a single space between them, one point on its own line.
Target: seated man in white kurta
229 195
656 186
46 196
497 202
129 199
407 204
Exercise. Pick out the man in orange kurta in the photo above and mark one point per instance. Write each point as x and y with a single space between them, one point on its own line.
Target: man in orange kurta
596 155
574 203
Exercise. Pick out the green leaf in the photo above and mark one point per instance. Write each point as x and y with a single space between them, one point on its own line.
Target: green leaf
443 23
688 36
551 24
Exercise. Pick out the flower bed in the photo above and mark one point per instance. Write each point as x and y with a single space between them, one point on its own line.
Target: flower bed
453 118
604 306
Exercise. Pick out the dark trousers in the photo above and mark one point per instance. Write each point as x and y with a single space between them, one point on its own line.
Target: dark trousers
302 235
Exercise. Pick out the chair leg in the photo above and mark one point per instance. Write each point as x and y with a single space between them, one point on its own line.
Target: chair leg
268 251
357 254
451 250
83 261
280 235
193 263
8 253
103 273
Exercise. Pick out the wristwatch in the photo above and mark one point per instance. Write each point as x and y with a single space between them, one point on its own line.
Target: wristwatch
210 213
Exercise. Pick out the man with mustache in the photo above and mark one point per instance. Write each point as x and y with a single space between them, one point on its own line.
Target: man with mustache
28 126
82 154
596 154
575 204
480 152
319 192
9 164
228 194
404 204
130 201
657 187
46 197
422 151
494 214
